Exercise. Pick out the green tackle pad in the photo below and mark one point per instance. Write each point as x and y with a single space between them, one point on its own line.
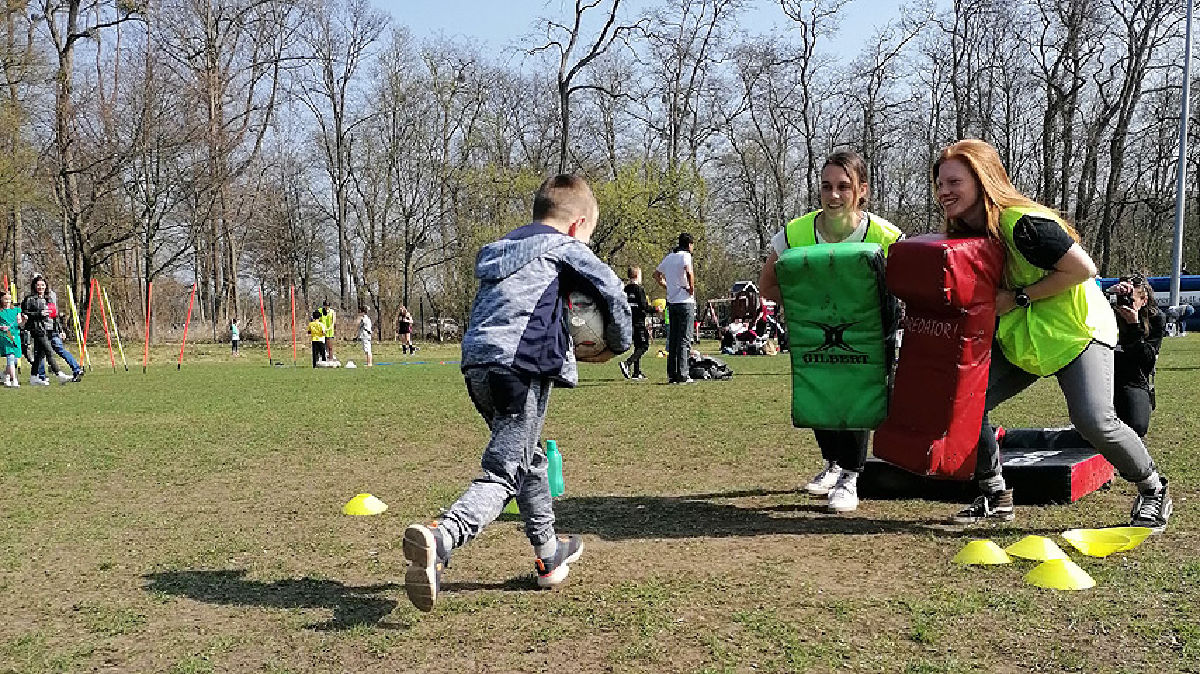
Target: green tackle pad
839 317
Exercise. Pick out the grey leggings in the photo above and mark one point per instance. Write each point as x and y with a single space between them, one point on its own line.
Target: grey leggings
1087 383
514 465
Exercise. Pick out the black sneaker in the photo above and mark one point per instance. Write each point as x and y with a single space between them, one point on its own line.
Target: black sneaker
1152 510
427 556
624 369
551 572
78 376
996 506
639 375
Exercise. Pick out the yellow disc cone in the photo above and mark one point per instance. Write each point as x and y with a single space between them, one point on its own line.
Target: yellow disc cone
1096 542
982 552
1135 534
1059 574
364 504
1036 547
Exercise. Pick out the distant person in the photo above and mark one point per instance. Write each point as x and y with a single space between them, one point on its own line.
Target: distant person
36 314
675 273
10 338
316 332
404 328
58 336
1052 320
364 333
635 294
515 350
329 320
842 218
235 337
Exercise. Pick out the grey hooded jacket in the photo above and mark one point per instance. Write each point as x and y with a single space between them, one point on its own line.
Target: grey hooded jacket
517 318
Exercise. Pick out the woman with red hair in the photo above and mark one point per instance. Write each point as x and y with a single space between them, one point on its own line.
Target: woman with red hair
1053 320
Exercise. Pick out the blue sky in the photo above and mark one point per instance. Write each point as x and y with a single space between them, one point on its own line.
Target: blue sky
498 24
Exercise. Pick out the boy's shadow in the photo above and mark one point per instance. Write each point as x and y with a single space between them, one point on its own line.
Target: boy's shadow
352 606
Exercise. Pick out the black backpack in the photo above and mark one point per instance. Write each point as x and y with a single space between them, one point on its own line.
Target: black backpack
709 367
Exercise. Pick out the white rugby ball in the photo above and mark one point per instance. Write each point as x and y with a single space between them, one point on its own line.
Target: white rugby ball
585 322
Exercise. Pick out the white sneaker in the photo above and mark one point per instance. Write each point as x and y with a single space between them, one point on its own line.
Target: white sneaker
38 381
63 376
824 481
843 498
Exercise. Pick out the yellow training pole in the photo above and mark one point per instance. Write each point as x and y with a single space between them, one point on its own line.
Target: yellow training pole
112 317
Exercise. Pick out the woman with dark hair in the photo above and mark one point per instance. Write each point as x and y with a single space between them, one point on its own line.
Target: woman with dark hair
842 218
1053 320
37 317
1142 327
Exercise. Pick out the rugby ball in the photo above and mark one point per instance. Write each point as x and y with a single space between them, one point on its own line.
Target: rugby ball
585 322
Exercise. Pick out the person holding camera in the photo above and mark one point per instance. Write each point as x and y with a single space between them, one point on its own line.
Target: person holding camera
1142 327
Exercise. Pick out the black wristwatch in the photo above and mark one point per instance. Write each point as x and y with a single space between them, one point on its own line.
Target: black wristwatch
1021 299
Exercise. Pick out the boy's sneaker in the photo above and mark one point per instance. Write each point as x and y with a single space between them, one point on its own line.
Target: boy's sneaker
1152 510
552 572
63 376
427 556
639 376
38 381
624 369
824 480
995 506
843 498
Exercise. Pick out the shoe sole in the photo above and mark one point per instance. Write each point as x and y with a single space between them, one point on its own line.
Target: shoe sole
557 576
818 491
420 578
842 509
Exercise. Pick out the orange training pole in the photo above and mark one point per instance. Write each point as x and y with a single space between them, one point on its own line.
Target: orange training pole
107 336
262 307
292 291
146 354
186 321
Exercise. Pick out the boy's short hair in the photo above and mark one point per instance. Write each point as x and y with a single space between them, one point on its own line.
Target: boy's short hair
362 309
317 315
634 270
563 196
685 240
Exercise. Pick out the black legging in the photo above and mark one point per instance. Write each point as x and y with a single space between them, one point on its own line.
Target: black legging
318 352
43 350
848 449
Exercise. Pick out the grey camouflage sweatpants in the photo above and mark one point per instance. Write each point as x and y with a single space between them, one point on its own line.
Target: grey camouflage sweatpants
514 406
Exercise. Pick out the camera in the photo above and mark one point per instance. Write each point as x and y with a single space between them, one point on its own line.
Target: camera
1123 300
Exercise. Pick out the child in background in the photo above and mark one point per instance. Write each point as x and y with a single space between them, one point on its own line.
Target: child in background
515 350
364 333
235 336
316 331
10 338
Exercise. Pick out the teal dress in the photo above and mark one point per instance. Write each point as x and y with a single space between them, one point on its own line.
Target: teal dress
10 342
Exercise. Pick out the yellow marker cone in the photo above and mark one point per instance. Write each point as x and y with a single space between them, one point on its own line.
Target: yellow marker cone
364 504
1096 542
982 552
1135 534
1036 547
1059 574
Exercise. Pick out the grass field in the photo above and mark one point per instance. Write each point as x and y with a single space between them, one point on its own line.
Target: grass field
189 521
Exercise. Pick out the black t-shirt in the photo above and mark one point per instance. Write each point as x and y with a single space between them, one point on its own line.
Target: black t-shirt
1041 240
636 295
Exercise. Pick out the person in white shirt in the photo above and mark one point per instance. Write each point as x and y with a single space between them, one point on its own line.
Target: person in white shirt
675 273
364 333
